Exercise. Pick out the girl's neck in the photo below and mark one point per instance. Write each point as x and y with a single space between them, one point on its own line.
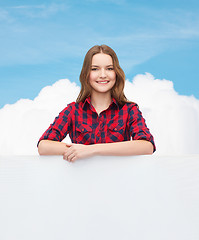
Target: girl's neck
101 101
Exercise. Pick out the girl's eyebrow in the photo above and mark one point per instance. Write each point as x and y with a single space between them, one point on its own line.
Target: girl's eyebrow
111 65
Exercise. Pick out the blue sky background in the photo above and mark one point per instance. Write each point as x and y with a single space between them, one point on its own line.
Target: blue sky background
44 41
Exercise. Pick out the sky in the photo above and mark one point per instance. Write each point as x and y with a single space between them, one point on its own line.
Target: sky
44 41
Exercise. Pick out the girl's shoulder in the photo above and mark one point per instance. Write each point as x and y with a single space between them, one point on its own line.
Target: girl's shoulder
69 108
72 106
131 105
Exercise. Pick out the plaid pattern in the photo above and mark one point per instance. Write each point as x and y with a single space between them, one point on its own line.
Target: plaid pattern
85 126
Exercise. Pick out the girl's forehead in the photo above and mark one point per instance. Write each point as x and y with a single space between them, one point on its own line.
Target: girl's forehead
102 59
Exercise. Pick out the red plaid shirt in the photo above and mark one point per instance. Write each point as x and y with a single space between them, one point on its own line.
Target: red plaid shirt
84 126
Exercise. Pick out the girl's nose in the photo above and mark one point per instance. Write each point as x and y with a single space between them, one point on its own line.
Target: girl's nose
103 73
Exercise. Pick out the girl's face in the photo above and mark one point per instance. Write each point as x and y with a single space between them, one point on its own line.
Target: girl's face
102 75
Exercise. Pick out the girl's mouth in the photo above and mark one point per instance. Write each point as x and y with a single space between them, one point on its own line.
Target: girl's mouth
102 82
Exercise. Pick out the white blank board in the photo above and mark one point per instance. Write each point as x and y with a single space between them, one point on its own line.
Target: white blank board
101 198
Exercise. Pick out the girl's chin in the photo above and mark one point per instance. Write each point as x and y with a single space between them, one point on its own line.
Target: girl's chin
102 91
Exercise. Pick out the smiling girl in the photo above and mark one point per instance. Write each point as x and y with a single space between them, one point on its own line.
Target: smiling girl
101 121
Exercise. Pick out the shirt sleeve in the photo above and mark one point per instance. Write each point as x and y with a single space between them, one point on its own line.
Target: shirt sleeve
58 130
138 127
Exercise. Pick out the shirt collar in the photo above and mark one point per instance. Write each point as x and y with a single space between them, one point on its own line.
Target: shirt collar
114 102
88 100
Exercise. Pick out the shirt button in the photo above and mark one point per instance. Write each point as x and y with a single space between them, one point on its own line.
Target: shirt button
115 129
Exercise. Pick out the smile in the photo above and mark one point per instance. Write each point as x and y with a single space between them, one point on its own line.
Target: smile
102 82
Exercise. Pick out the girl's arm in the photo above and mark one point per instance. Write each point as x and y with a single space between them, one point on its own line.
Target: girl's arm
49 147
127 148
50 142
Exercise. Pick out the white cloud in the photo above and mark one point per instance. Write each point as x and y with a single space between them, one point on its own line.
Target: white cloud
22 123
172 118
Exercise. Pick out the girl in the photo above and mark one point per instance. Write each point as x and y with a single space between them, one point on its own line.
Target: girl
101 121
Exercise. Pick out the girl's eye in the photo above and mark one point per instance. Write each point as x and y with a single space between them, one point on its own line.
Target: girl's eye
110 69
93 69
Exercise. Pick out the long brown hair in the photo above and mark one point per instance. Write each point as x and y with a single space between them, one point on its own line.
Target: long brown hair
117 90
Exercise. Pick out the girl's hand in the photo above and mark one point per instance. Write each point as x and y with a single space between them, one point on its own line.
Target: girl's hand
77 151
